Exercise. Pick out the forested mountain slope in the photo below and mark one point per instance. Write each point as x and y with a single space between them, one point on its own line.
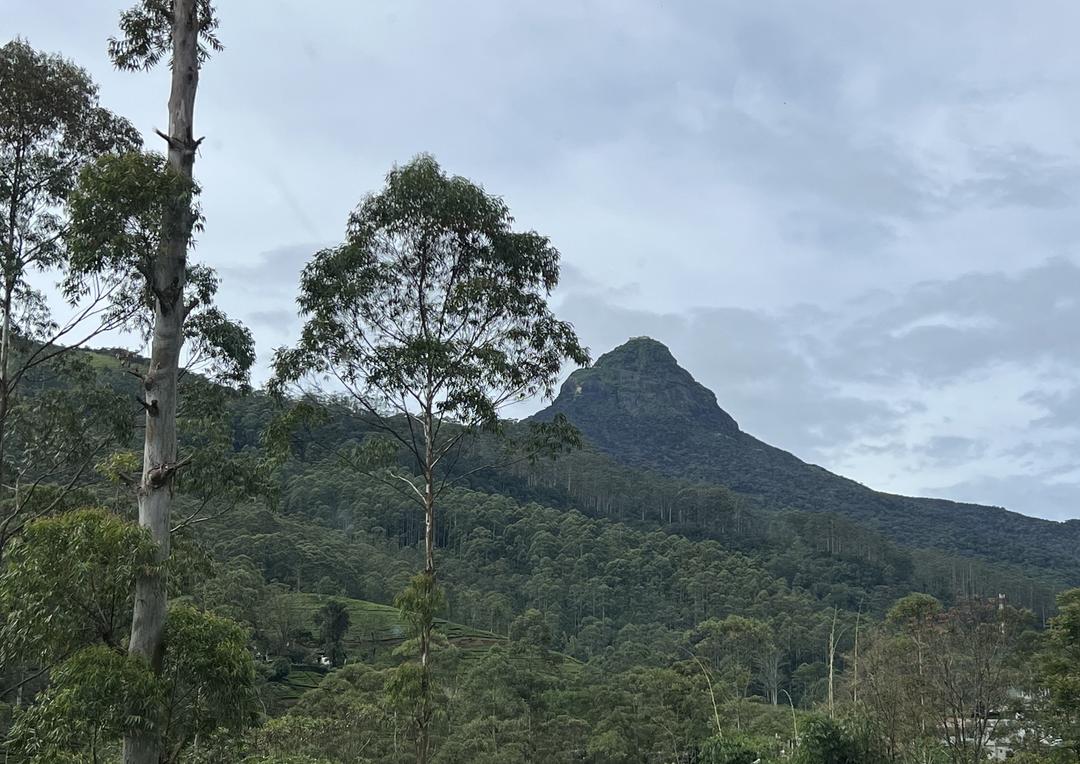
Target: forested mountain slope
638 405
843 559
581 592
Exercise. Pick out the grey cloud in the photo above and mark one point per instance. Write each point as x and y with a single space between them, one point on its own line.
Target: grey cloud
277 320
952 449
1062 407
840 231
275 271
1021 176
860 198
1055 501
263 293
861 388
944 329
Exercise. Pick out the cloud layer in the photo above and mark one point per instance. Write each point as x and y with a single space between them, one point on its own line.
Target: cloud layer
966 388
856 221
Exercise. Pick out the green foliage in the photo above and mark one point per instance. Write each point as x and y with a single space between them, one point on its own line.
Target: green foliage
209 676
420 602
117 466
50 124
67 588
93 698
52 438
147 33
825 741
915 611
1060 669
347 718
68 583
99 693
533 629
296 739
116 217
333 622
115 236
727 750
226 346
433 293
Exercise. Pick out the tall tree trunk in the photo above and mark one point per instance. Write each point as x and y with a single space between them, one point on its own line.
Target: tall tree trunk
5 406
832 661
423 743
160 383
855 670
11 267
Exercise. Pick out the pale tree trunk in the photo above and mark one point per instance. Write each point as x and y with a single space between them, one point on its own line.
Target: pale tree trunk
855 669
5 400
429 503
832 661
423 743
771 675
11 267
160 383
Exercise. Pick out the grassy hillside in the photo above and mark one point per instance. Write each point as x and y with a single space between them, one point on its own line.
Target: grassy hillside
374 631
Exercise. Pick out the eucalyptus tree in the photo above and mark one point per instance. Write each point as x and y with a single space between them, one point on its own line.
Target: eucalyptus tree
117 235
206 687
67 593
432 316
51 125
69 585
138 226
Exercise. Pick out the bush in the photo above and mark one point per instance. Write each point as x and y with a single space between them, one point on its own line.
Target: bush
825 741
279 668
727 750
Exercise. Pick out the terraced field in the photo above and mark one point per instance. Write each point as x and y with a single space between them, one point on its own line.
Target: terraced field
374 631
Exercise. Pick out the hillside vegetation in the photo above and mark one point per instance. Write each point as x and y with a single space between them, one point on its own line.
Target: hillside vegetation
638 405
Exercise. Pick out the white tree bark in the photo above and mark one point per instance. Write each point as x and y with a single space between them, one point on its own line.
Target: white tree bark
160 383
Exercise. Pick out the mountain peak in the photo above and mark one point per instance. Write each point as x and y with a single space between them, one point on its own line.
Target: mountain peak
635 388
639 352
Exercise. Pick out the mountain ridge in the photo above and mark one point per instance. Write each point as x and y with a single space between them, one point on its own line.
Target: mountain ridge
640 406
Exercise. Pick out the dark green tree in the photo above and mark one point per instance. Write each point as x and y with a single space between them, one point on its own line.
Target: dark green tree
433 309
99 694
412 687
333 622
728 750
68 584
1060 669
51 125
93 698
825 741
67 591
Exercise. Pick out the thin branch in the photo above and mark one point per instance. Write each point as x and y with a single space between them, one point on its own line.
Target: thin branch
26 680
193 518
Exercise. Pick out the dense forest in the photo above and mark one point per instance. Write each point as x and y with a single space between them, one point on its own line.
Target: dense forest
366 562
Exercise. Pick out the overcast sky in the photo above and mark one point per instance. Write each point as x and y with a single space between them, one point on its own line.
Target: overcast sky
856 221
